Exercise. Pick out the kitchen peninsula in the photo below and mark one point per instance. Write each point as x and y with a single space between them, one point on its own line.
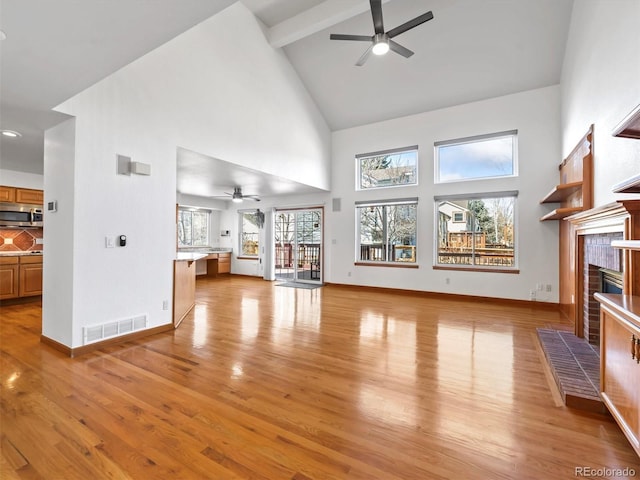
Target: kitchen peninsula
218 260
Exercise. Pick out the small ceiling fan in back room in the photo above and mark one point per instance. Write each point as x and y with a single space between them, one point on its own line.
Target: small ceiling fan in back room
237 196
381 41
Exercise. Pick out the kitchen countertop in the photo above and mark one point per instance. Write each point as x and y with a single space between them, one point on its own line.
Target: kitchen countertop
190 256
14 253
199 253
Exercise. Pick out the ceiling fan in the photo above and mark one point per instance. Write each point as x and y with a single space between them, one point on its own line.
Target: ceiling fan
381 41
237 196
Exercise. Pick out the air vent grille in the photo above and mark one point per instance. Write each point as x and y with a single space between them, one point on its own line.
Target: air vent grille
95 333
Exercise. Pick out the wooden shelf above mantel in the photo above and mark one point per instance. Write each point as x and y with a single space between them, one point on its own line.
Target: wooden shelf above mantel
626 244
561 192
560 213
630 185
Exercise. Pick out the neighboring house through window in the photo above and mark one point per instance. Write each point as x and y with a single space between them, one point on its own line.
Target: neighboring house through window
387 168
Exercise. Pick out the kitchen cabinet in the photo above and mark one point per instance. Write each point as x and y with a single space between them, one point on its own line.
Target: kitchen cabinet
224 263
9 271
7 194
21 195
20 276
218 263
30 278
26 195
620 361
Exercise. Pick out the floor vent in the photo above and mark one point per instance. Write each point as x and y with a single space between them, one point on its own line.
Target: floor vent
95 333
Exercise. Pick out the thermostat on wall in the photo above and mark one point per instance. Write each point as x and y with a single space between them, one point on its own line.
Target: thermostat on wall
52 206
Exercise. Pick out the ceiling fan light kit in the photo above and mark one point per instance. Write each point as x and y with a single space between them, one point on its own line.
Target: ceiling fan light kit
237 196
381 41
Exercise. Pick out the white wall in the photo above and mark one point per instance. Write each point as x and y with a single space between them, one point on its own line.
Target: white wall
601 85
13 178
239 101
59 237
535 114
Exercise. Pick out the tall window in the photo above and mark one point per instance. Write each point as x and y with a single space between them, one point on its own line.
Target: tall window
193 227
249 233
483 156
388 168
485 238
387 231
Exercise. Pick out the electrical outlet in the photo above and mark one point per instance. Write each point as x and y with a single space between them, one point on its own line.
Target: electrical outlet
348 274
165 304
447 281
532 295
549 288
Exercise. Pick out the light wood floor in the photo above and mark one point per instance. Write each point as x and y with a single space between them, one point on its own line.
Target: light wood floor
267 382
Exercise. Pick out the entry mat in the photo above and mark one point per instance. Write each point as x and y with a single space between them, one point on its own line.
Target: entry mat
306 286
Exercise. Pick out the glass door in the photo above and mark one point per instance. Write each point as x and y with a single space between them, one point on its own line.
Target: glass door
298 245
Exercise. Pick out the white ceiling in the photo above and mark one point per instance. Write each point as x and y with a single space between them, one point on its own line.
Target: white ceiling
471 50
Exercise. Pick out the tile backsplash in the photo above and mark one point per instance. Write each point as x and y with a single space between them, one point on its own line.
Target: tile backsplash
20 239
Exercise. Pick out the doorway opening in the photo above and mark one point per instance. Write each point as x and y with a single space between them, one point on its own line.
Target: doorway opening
299 245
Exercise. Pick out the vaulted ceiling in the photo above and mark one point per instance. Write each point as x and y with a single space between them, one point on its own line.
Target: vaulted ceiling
471 50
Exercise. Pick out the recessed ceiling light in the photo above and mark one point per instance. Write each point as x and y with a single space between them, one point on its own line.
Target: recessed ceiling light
10 133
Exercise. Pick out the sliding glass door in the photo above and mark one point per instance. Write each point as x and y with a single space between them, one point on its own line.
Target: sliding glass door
298 245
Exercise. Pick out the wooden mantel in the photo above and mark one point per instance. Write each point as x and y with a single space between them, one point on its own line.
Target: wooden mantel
621 216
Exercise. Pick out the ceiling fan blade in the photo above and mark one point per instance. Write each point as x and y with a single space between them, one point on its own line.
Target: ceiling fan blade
359 38
251 197
425 17
376 13
364 56
396 47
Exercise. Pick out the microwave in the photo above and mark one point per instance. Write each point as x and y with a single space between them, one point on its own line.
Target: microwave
20 215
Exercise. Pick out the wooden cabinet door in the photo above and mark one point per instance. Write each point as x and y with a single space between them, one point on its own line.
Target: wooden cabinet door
9 270
7 194
224 263
620 382
30 279
27 195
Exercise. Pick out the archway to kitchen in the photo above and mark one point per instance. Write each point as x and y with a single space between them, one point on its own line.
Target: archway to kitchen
298 241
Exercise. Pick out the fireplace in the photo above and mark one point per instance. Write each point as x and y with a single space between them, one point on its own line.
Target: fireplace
602 271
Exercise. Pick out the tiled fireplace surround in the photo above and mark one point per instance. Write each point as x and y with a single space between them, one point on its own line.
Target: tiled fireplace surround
598 254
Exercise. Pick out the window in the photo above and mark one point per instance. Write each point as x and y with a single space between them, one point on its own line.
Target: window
485 239
249 233
483 156
458 217
387 231
193 227
388 168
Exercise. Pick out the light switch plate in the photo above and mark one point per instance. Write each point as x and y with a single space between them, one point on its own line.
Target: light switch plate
110 241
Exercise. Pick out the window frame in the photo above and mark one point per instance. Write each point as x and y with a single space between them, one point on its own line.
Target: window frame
394 151
476 139
385 243
185 208
241 252
473 267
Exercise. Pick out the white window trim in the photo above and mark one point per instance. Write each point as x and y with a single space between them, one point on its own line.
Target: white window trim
379 203
476 196
187 208
473 139
392 151
240 231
